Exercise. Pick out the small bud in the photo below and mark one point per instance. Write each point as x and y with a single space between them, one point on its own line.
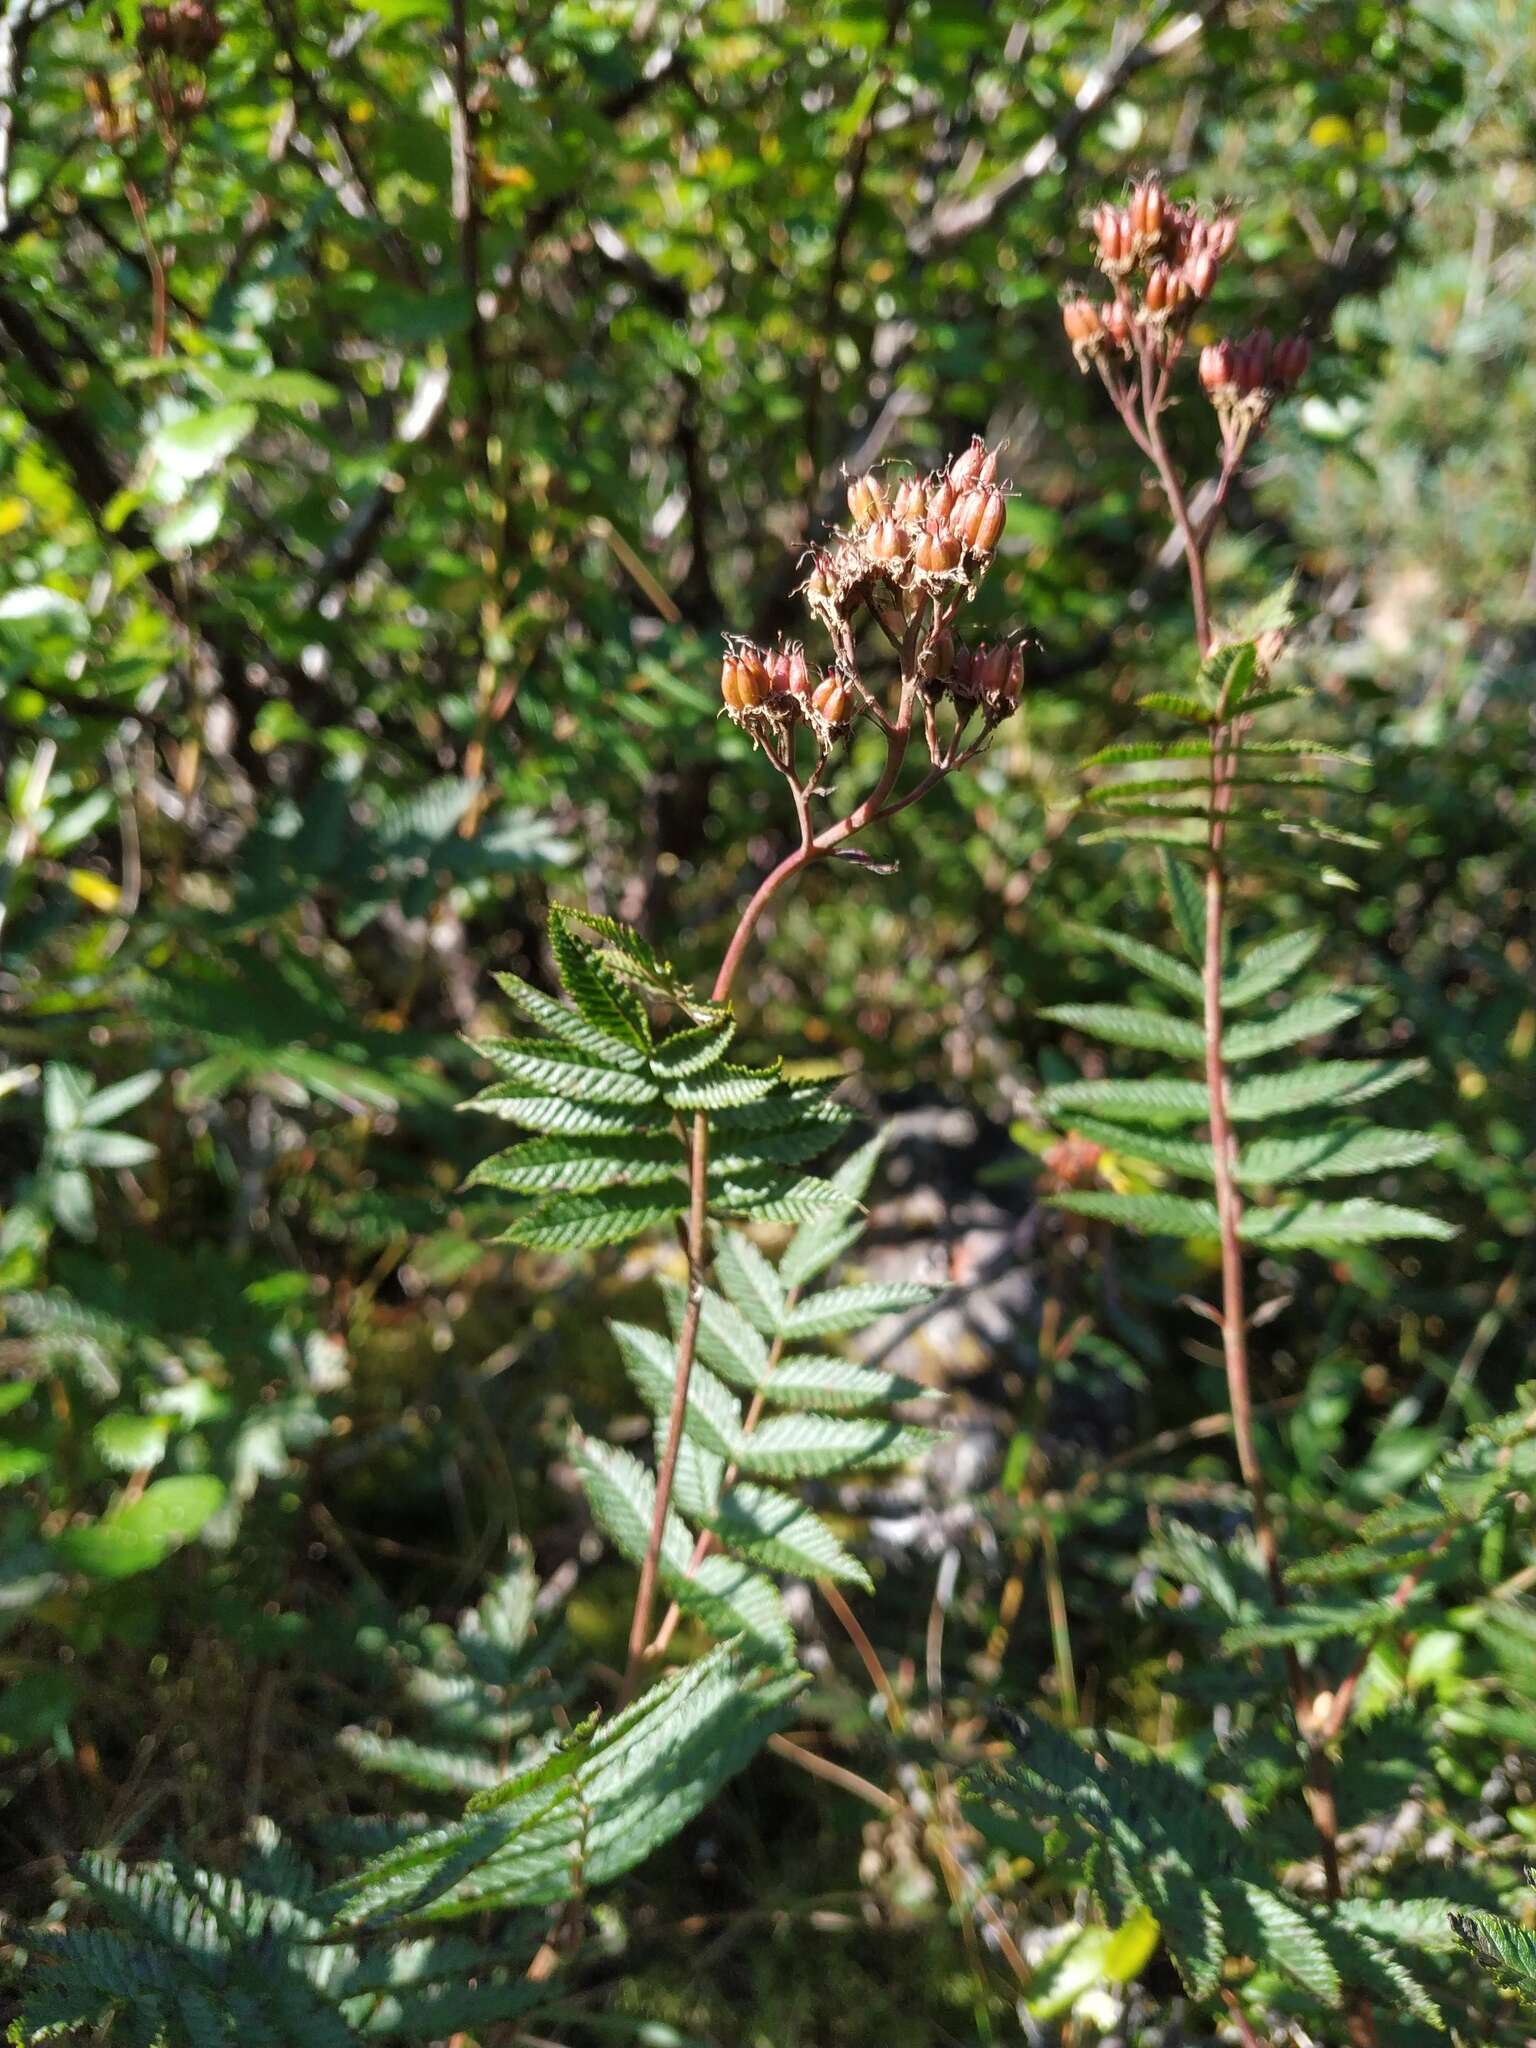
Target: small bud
887 542
831 698
1289 363
966 469
1200 274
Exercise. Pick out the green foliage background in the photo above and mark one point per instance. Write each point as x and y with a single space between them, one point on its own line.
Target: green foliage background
383 609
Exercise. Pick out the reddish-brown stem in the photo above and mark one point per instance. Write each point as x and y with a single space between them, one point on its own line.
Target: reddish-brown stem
874 806
157 284
1173 490
853 1628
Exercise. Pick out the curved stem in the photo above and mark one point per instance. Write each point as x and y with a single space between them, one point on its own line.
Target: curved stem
809 850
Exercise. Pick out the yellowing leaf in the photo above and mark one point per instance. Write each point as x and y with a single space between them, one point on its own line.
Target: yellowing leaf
94 889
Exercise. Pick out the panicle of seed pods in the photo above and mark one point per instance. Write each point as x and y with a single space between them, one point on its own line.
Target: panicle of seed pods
912 554
1162 258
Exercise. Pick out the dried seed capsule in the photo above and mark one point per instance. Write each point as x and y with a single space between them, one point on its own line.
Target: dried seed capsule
1252 367
941 499
730 682
861 502
1200 274
962 672
989 525
992 664
1223 235
941 653
1082 321
751 676
887 542
1155 297
818 585
917 499
1217 366
965 520
1015 683
798 679
1117 323
936 550
1289 363
965 470
832 699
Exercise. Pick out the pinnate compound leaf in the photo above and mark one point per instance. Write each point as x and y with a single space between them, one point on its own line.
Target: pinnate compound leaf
713 1416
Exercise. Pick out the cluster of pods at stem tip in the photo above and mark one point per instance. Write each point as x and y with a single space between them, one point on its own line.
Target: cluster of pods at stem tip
1162 259
912 554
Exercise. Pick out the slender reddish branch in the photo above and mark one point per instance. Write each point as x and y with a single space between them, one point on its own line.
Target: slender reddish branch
873 807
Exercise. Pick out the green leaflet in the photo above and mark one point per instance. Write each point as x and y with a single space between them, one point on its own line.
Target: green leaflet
605 1004
547 1065
713 1413
804 1446
850 1308
835 1385
1120 1025
1308 1017
726 1340
750 1281
1151 960
1325 1084
579 1165
727 1598
1329 1154
726 1088
784 1534
1324 1225
1158 1215
622 953
510 1101
1186 904
691 1052
1167 1099
617 1047
1267 967
570 1223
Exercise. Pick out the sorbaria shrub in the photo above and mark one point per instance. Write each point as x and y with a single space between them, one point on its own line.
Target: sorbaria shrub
1251 1843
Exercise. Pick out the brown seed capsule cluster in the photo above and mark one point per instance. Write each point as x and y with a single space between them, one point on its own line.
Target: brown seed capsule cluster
989 676
916 538
190 30
1175 249
767 691
1243 378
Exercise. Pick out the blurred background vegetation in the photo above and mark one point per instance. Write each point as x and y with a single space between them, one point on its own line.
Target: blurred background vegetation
510 356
